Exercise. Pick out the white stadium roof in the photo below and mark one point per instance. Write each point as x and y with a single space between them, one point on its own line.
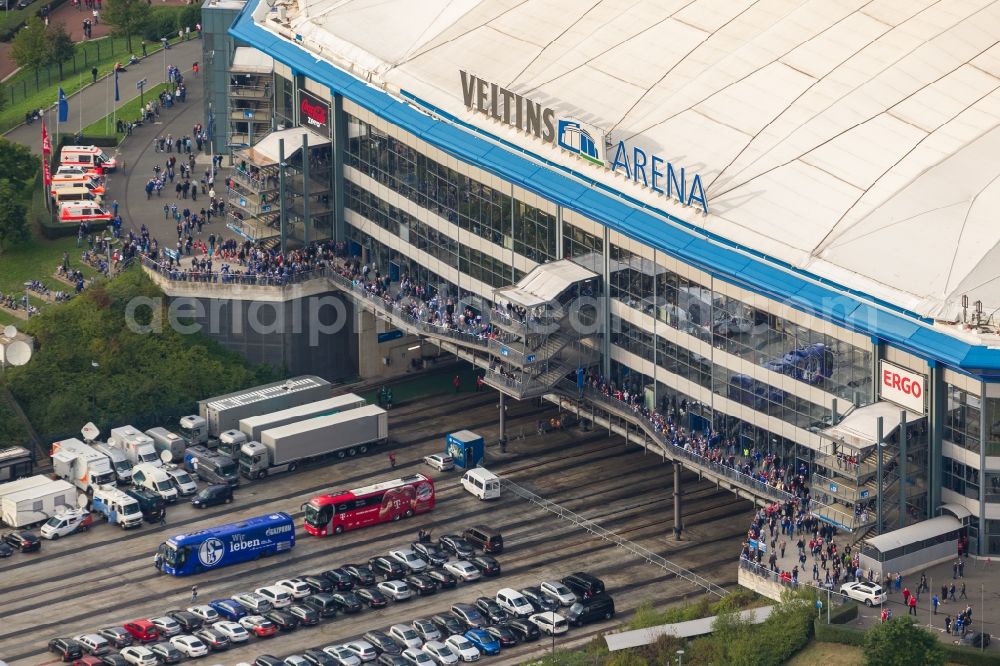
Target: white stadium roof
857 140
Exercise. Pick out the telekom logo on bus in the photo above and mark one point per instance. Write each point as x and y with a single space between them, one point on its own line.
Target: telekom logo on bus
902 387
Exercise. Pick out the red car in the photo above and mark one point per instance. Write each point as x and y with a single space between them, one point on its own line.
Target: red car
259 626
142 630
89 660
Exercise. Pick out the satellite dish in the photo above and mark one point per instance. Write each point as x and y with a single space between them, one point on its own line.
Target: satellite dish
10 331
82 501
18 352
166 456
90 432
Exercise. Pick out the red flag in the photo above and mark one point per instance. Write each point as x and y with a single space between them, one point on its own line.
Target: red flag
46 173
46 141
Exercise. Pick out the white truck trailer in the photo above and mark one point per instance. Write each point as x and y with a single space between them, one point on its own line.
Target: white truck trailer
137 446
253 426
224 412
164 440
34 500
344 434
81 464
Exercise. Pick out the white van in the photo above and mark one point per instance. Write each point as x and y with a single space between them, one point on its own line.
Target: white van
155 479
482 483
87 156
77 193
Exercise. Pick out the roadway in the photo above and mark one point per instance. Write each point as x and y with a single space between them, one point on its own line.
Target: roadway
106 577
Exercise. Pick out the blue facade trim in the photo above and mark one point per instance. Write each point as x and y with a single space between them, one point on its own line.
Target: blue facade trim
685 242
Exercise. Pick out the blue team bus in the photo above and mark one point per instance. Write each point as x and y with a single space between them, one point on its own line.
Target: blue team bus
215 547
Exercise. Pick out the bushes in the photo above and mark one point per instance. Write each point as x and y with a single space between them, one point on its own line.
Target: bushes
832 633
973 657
166 21
844 614
12 19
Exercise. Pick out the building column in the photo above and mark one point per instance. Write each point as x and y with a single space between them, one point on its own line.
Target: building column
559 233
306 190
678 527
902 468
606 305
282 202
503 422
880 489
936 410
982 540
337 173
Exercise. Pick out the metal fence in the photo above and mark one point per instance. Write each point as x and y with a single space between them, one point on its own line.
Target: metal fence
629 546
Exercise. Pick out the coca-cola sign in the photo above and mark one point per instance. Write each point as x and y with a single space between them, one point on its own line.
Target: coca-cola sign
314 112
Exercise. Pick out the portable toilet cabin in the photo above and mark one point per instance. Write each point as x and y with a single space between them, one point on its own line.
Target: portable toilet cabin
466 448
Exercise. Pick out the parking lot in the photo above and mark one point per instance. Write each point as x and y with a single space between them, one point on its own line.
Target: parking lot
106 577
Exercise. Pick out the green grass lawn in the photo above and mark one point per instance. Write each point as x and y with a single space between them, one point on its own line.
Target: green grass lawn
37 259
127 111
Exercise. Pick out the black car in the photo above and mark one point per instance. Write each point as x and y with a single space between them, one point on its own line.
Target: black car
372 596
424 585
539 600
5 550
268 660
322 603
504 634
215 640
976 639
21 4
431 552
457 546
306 616
525 630
283 619
469 615
114 660
389 659
448 624
189 621
387 567
347 601
492 610
166 653
382 642
486 564
443 578
361 573
340 578
117 636
318 582
319 658
26 542
212 496
66 648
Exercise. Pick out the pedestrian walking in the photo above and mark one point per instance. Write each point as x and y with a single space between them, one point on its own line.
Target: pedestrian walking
913 605
906 596
392 460
194 594
934 603
954 570
947 624
962 594
143 48
961 568
163 519
944 593
457 383
951 592
93 74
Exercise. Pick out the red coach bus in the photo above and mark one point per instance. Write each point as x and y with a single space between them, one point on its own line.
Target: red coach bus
370 505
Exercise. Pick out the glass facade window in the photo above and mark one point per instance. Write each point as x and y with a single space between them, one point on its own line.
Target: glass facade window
578 243
467 203
992 486
961 420
993 427
963 479
993 536
284 101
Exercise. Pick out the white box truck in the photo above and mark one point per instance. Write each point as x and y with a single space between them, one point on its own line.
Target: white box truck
283 448
225 411
34 500
138 447
119 461
164 440
116 506
81 464
253 426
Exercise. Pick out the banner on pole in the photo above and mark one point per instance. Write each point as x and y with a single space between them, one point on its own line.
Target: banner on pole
117 96
63 107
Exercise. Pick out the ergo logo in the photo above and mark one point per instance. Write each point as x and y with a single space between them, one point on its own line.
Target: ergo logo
892 379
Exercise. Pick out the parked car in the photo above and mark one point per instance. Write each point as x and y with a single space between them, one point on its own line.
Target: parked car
234 631
440 653
584 584
318 657
113 660
252 603
166 626
491 610
440 462
382 641
205 613
322 603
22 540
317 583
426 629
386 659
504 635
464 571
405 636
143 631
137 655
117 636
594 609
865 591
278 596
233 609
443 578
66 649
541 602
305 615
297 588
363 650
463 648
5 550
284 620
417 657
213 638
396 590
94 644
550 623
487 565
515 603
387 567
296 660
448 624
409 559
166 653
525 630
457 546
348 602
268 660
361 573
558 592
188 621
189 646
432 553
976 639
424 585
212 496
259 626
340 578
469 615
342 656
372 596
483 641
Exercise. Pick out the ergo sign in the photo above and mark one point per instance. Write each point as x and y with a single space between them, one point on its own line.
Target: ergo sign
902 387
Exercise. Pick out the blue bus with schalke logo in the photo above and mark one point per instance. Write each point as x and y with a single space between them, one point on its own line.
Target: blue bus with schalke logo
216 547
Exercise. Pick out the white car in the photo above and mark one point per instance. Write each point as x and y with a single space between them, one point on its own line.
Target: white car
189 646
556 591
871 594
166 626
296 587
204 612
182 481
297 660
463 570
440 462
396 589
514 602
342 655
417 657
363 650
65 523
405 636
253 602
139 656
234 631
408 559
550 623
463 648
278 596
440 653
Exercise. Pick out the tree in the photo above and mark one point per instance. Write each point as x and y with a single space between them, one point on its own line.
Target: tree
13 213
126 18
16 162
29 48
59 46
899 642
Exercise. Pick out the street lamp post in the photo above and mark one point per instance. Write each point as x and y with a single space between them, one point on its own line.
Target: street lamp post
93 391
680 658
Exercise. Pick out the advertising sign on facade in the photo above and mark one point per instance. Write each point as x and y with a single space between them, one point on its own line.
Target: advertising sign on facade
903 387
314 112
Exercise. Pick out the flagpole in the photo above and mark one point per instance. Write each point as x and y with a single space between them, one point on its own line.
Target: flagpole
81 106
107 107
